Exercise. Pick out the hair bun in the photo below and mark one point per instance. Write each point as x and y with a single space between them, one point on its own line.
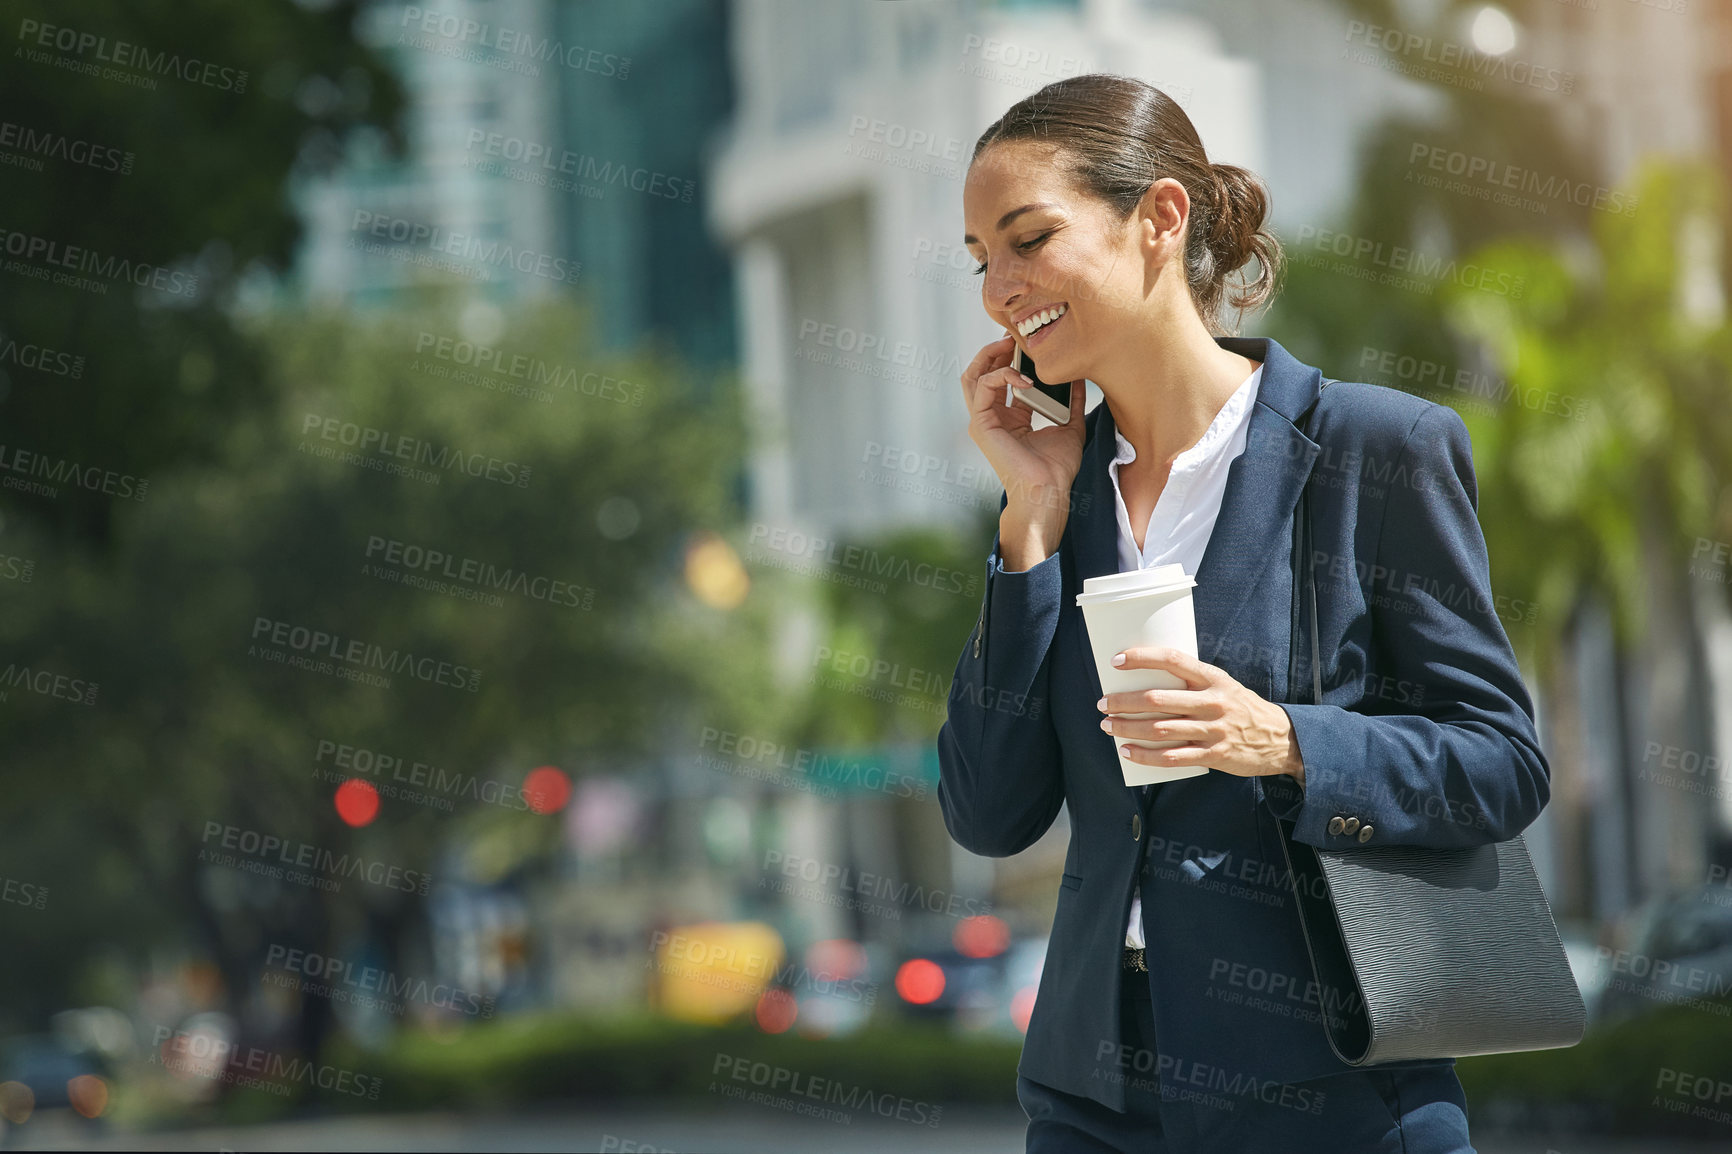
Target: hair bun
1236 231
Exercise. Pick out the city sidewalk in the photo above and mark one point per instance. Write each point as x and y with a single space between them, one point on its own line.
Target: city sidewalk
643 1128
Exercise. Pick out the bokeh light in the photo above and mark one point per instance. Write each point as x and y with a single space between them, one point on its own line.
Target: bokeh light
981 936
546 789
17 1101
835 960
714 572
776 1011
920 981
357 802
1493 32
88 1095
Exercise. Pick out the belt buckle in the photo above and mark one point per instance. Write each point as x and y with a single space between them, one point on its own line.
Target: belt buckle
1134 960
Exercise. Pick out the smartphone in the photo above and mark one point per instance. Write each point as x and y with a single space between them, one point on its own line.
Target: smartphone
1050 401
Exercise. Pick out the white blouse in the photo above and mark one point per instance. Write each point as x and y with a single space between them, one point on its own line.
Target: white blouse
1183 517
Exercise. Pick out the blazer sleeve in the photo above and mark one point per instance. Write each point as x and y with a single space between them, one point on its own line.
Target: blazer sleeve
1464 767
1000 783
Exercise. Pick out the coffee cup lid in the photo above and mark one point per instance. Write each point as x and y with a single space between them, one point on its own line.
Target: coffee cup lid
1155 579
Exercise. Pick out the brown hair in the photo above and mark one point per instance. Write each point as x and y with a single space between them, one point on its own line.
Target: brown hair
1117 136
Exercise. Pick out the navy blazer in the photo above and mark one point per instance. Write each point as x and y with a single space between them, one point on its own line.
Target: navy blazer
1425 733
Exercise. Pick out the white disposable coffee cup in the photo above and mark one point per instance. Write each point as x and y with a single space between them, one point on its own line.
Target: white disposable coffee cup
1142 607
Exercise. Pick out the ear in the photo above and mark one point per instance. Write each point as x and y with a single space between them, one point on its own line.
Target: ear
1162 212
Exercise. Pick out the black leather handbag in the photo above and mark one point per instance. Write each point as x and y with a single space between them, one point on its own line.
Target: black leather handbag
1427 953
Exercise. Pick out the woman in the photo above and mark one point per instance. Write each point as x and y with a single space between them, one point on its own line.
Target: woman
1176 1010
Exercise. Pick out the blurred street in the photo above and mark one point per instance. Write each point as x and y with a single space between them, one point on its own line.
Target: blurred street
504 645
644 1128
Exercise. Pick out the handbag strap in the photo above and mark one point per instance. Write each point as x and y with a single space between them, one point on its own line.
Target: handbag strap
1345 1021
1304 515
1311 599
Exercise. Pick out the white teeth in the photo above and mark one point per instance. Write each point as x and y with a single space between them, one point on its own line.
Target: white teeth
1045 316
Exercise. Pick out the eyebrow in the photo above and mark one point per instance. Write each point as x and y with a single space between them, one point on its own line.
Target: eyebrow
970 238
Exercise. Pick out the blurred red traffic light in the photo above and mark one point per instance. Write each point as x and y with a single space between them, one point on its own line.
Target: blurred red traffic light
982 936
920 981
546 789
776 1011
357 802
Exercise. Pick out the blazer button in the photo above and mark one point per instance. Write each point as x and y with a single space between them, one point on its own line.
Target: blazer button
1136 827
1336 824
1351 825
1364 833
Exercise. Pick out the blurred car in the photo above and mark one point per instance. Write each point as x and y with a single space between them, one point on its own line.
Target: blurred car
983 981
1680 952
41 1073
833 988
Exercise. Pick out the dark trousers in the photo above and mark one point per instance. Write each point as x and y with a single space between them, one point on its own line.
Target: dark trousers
1415 1110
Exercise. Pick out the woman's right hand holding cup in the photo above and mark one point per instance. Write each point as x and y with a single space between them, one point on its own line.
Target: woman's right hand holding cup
1036 466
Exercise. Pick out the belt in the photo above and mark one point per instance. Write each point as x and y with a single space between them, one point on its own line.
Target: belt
1134 960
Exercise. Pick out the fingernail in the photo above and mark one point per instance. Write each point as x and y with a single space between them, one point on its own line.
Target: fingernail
1107 724
1026 379
1125 749
1101 705
1118 659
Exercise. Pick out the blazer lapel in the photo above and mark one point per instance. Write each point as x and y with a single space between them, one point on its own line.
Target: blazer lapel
1264 482
1263 487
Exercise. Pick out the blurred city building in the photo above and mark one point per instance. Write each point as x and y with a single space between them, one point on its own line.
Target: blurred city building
459 92
574 135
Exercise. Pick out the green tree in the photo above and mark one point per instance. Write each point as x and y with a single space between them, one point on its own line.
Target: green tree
1606 504
172 156
566 592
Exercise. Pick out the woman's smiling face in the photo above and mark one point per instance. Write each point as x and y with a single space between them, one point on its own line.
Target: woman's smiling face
1048 250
